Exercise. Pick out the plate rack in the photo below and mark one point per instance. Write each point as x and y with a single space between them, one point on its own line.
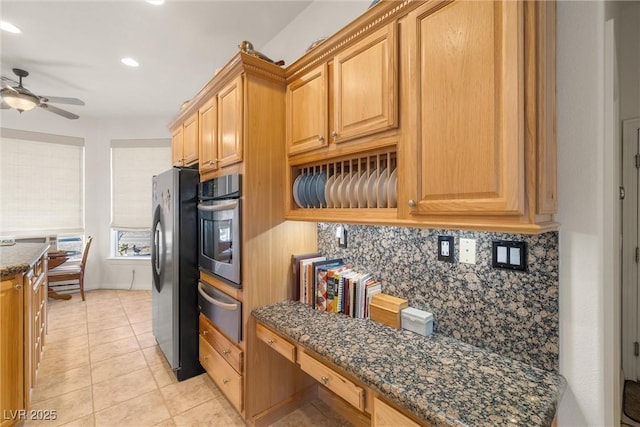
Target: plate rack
366 181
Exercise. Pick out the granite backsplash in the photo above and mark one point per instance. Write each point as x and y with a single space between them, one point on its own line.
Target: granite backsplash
511 313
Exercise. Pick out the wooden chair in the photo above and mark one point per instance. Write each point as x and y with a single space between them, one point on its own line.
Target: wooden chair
71 271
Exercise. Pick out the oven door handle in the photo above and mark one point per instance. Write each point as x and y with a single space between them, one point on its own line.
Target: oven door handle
214 208
214 301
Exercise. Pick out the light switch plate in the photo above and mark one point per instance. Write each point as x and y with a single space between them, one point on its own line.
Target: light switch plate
468 251
509 255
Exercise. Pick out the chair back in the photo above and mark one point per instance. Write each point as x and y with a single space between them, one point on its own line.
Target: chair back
85 252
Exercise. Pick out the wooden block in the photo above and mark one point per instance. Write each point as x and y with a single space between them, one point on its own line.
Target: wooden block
386 309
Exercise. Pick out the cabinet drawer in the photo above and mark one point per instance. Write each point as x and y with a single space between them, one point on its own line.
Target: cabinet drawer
276 342
220 343
226 378
332 380
386 416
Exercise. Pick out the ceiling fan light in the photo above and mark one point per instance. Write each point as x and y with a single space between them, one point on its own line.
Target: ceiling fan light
9 27
19 101
155 2
130 62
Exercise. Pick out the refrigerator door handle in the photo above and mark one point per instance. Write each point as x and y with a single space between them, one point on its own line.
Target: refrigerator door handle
214 301
157 249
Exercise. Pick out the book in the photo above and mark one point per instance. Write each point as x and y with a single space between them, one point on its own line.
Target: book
305 278
333 278
319 287
296 261
372 287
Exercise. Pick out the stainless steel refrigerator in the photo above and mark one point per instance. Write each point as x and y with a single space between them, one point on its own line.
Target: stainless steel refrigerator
174 259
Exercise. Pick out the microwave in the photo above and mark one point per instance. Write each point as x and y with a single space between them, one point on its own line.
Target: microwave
219 240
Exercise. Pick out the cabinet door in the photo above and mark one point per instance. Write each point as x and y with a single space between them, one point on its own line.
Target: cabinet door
11 347
365 86
230 123
177 138
467 60
208 116
386 416
190 140
307 107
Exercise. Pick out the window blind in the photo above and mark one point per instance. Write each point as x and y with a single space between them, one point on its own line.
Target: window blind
133 165
41 183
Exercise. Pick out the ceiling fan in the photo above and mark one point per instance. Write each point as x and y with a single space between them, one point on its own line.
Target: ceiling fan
16 96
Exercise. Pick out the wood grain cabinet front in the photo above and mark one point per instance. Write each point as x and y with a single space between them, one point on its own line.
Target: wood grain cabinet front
208 123
387 416
226 378
276 342
184 142
363 96
332 380
223 345
12 366
177 143
230 122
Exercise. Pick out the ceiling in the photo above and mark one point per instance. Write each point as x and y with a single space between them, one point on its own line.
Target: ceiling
73 49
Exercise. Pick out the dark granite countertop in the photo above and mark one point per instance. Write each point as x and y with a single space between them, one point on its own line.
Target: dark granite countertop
19 258
440 380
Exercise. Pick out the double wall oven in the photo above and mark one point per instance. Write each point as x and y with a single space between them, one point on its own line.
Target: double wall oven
220 251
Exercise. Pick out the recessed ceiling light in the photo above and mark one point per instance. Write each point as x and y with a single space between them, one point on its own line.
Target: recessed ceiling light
8 26
130 62
155 2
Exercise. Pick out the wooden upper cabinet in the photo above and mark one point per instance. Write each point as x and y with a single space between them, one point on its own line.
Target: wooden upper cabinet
307 111
190 141
207 121
468 98
365 92
230 122
177 138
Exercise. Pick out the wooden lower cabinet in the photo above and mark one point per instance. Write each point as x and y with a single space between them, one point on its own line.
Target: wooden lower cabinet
226 378
387 416
11 349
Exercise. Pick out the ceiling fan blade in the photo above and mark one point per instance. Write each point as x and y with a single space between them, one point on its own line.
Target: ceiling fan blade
62 100
6 85
9 80
58 111
4 105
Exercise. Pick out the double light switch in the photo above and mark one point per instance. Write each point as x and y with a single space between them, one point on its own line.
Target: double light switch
509 255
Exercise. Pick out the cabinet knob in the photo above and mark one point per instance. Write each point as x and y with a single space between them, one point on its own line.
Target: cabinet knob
205 332
205 357
225 381
412 203
320 138
325 379
270 342
334 134
225 352
17 287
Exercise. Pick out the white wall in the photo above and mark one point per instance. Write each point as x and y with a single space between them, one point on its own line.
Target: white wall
101 271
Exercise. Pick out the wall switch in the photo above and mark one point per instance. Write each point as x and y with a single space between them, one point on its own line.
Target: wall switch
445 248
509 255
341 234
468 251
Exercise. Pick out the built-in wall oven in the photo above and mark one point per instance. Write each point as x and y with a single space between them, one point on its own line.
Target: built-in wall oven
219 213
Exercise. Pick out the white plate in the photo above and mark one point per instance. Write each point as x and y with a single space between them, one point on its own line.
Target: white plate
362 190
353 190
372 196
296 197
327 191
335 197
321 182
392 191
342 190
381 189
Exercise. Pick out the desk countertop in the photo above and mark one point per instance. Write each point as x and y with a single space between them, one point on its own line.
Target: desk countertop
440 380
19 258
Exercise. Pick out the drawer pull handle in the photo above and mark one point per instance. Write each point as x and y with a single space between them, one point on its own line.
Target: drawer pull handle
325 379
225 381
225 352
271 342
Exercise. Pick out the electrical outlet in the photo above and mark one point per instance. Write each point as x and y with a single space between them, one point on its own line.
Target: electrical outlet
446 248
468 251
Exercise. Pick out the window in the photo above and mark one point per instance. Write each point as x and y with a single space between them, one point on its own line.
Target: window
133 165
41 183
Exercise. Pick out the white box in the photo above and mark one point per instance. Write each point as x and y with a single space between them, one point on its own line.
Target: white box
418 321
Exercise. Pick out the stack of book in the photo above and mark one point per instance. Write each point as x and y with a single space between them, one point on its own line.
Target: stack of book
332 285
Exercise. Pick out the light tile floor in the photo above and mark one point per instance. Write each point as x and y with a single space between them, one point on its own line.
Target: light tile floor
101 367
